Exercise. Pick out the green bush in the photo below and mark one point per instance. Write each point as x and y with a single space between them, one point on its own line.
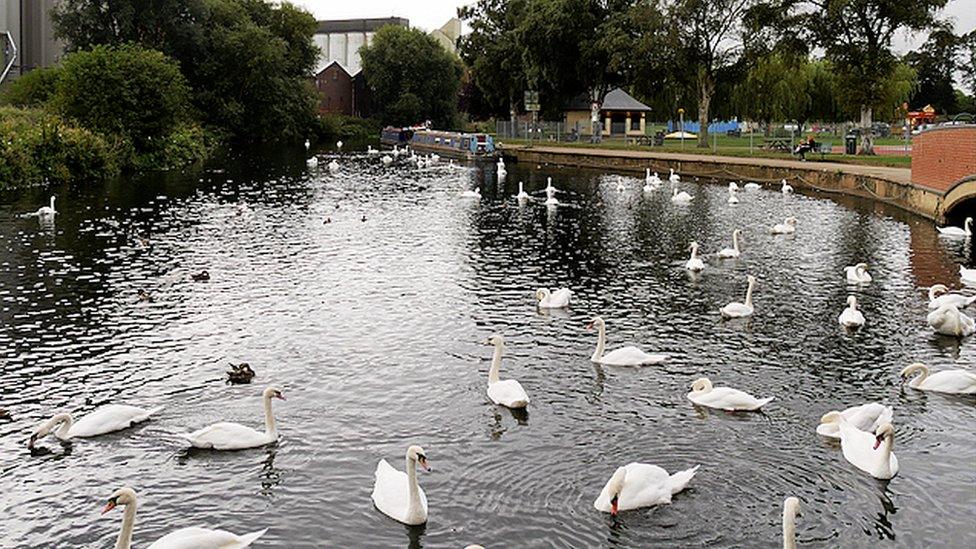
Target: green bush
187 144
331 127
38 147
32 89
127 91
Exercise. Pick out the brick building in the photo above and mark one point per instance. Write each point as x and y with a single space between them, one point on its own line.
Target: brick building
335 87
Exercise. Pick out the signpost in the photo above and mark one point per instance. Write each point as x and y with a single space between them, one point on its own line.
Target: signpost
531 101
681 114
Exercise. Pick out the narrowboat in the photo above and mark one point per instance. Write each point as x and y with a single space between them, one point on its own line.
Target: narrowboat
470 146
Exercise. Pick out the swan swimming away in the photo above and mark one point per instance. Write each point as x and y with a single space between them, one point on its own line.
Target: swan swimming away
949 320
733 199
674 178
553 300
851 317
733 252
508 393
694 264
624 356
396 493
184 538
936 300
958 382
522 195
752 186
788 226
724 398
966 230
106 419
476 193
234 436
866 417
786 188
637 485
739 310
680 197
858 274
791 508
869 452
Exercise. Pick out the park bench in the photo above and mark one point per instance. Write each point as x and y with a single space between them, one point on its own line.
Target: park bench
777 144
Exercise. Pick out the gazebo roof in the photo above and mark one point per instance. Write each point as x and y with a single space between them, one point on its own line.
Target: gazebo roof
615 100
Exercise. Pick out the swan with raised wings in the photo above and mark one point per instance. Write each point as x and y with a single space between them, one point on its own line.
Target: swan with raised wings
234 436
624 356
396 493
958 382
938 297
869 452
637 485
508 393
106 419
724 398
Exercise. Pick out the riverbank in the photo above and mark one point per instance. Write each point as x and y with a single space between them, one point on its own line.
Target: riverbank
884 183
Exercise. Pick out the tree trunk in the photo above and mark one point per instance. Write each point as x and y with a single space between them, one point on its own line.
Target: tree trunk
867 133
596 104
705 91
513 117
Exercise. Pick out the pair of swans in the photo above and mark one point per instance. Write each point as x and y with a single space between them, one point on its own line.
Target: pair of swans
788 226
938 297
866 417
740 310
234 436
624 356
553 300
949 320
966 230
106 419
724 398
870 452
681 197
651 182
184 538
508 393
733 252
637 485
694 264
733 199
857 274
957 382
396 493
851 317
476 193
786 188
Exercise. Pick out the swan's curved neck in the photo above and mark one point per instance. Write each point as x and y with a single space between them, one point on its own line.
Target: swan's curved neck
749 293
923 373
601 342
968 225
496 364
128 523
66 421
52 202
413 490
789 529
269 421
735 241
694 252
934 292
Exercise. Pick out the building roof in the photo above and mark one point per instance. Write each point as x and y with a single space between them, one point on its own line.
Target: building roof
615 100
358 25
338 64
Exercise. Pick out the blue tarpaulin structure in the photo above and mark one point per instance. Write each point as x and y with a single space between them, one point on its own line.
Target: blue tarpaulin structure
693 127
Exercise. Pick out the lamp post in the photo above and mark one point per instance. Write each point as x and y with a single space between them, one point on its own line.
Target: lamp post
681 126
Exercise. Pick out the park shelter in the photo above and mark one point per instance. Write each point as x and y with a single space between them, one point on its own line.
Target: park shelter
621 114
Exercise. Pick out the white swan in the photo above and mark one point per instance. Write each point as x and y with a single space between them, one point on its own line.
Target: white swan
651 182
752 186
333 166
522 195
733 199
624 356
739 310
869 452
339 145
936 300
396 494
788 226
312 162
371 151
724 398
106 419
791 508
553 300
949 320
968 276
694 264
733 252
621 187
866 417
184 538
851 317
674 178
386 160
858 274
967 229
786 188
46 211
308 144
551 193
960 382
234 436
476 193
681 197
502 172
637 485
733 186
508 393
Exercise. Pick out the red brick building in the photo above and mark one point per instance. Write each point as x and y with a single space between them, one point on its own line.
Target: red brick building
336 91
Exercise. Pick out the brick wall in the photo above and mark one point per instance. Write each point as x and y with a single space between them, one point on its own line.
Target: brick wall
335 90
943 156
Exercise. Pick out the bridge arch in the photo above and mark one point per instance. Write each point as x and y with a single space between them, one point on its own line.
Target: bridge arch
959 201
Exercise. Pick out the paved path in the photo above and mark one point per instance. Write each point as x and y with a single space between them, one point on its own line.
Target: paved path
899 175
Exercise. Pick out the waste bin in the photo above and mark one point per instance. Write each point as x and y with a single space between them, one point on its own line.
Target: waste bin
850 144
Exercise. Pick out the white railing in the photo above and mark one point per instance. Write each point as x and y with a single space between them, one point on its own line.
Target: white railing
9 49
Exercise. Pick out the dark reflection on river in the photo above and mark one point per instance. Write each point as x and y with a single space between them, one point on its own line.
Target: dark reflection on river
373 329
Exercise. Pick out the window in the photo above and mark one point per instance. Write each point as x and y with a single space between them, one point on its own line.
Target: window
635 122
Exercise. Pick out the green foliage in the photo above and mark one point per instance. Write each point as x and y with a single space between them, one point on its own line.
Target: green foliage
32 89
38 147
935 64
779 86
492 52
411 77
332 127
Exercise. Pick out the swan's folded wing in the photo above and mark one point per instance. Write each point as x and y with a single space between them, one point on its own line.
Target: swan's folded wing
389 489
225 435
199 538
107 419
508 393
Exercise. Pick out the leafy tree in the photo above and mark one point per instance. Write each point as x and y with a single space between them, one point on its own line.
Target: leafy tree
32 89
967 60
780 86
411 77
935 64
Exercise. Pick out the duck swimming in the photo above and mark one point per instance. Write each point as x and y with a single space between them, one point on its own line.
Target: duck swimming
240 373
202 276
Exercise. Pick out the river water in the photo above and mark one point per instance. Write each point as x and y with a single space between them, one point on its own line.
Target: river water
373 331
